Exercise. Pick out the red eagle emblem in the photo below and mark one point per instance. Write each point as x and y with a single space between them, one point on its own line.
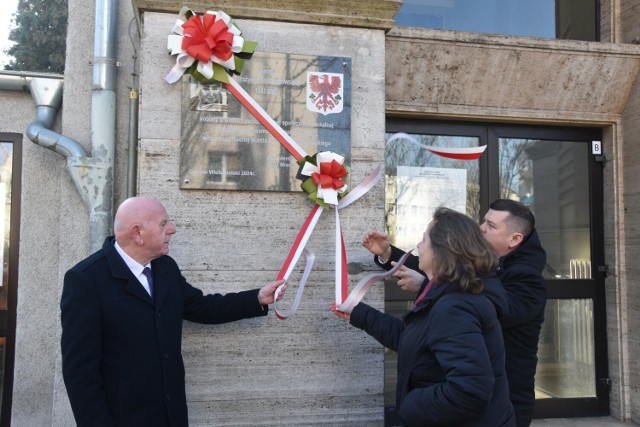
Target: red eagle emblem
324 92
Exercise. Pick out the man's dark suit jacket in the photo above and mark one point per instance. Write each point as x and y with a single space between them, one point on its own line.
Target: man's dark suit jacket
121 349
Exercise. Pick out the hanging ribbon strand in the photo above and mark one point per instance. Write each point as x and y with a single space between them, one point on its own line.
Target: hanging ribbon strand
459 153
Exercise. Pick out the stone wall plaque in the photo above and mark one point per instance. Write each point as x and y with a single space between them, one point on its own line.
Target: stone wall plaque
224 147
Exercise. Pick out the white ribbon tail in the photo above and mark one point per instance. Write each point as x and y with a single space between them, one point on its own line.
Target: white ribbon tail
174 75
310 257
365 283
362 188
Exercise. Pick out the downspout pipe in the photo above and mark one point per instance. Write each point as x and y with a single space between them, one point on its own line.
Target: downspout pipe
132 170
87 173
47 95
103 122
92 176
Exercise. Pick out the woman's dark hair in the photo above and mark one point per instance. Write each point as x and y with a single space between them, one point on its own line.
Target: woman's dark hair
461 254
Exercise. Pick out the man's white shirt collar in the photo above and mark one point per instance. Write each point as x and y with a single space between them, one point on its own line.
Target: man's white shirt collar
135 267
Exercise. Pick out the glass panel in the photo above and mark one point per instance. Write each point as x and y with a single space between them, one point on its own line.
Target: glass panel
552 179
576 20
563 19
566 365
417 182
6 162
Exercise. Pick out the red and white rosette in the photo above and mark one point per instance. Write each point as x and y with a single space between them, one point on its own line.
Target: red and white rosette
327 176
209 46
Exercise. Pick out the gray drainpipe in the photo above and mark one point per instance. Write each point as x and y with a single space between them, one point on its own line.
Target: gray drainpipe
92 176
99 181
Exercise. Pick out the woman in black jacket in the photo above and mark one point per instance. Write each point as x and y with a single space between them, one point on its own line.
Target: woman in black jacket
450 347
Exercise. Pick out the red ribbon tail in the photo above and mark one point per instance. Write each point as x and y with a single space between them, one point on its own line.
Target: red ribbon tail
345 275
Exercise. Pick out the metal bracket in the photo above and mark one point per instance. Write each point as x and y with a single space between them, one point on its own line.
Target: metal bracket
605 382
604 269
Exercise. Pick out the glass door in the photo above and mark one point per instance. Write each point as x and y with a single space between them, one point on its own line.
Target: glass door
551 170
555 173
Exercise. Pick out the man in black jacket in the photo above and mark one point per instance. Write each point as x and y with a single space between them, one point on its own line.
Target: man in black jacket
122 325
509 227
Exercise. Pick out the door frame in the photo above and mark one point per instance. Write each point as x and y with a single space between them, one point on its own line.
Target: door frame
594 288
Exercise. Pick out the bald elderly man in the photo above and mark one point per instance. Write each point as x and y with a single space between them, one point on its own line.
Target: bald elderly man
122 326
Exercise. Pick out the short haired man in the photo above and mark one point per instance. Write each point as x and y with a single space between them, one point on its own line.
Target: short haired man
122 324
509 227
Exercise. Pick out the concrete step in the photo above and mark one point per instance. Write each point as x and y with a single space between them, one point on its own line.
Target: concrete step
581 422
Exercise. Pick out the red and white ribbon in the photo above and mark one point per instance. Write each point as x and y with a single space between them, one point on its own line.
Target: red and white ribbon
310 258
362 188
298 249
300 243
258 112
461 153
341 276
212 40
365 283
299 246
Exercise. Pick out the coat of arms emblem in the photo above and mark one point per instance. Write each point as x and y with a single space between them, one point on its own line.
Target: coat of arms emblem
324 92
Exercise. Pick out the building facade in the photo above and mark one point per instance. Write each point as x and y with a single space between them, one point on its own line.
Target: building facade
314 368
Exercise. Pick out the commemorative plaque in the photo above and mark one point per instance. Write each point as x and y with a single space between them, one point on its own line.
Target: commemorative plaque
223 146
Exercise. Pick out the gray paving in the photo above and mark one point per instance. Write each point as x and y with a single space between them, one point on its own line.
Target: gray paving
581 422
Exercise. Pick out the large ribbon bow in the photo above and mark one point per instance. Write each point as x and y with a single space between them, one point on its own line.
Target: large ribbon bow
208 46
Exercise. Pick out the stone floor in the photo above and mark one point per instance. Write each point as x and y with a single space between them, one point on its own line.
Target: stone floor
580 422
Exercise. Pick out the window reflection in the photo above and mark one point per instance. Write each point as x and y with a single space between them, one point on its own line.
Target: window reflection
551 178
6 162
566 366
560 19
417 182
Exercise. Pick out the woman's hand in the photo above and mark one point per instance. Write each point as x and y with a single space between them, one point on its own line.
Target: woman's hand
378 244
410 280
338 313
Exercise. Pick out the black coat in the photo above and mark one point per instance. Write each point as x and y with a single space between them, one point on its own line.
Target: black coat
450 357
121 351
521 274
